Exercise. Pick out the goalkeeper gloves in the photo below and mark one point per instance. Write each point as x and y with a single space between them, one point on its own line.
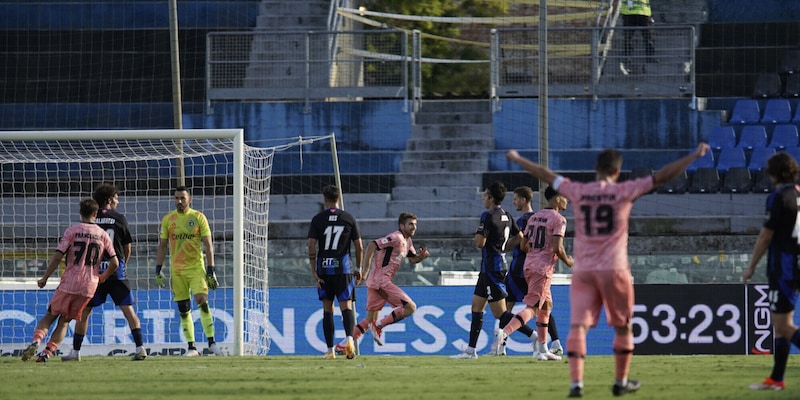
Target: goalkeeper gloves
159 277
211 277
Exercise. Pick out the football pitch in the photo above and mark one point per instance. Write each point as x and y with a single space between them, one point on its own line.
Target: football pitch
383 377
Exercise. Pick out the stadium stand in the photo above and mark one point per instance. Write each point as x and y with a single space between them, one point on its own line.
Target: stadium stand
759 157
704 180
777 111
768 85
783 136
752 136
737 180
792 89
730 157
721 137
676 185
707 161
746 111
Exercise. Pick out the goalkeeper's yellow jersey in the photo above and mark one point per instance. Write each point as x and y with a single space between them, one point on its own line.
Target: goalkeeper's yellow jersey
184 231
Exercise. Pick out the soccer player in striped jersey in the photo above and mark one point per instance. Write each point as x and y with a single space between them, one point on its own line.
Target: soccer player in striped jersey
83 244
496 233
117 286
601 275
778 239
185 231
335 275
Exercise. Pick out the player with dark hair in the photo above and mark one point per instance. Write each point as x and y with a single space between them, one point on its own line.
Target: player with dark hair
117 286
601 275
83 244
543 246
778 239
329 238
389 252
186 232
496 233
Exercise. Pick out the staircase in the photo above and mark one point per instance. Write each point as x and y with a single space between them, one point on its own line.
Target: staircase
440 175
291 17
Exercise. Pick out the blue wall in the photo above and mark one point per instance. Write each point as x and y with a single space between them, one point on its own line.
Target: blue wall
126 14
753 11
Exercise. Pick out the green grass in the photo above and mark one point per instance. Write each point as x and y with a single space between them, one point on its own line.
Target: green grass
383 377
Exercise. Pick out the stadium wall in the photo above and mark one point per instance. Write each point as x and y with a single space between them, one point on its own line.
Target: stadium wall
668 319
765 11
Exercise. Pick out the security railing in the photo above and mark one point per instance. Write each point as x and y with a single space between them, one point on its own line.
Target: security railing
279 65
582 62
598 62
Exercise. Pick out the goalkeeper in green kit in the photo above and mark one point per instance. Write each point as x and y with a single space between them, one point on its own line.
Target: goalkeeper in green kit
186 231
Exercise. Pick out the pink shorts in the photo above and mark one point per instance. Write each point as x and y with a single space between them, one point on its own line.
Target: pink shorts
538 289
391 293
67 304
591 290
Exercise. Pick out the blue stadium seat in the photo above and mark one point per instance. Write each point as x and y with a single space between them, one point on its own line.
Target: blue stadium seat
794 152
722 137
752 136
784 135
706 161
730 157
746 112
777 111
796 118
758 158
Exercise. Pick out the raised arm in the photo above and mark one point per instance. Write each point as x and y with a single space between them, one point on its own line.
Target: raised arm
674 168
538 171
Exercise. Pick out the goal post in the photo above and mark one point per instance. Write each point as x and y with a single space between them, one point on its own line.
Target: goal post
45 173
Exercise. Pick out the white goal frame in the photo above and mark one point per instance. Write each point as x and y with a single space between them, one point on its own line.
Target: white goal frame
237 136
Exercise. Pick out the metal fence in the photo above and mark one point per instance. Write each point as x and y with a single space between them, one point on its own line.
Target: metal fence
582 62
599 62
270 65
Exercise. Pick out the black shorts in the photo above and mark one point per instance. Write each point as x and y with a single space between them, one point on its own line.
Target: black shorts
339 287
517 288
782 296
120 291
491 286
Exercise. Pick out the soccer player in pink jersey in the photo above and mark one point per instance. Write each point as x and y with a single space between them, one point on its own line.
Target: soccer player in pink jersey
389 253
543 245
601 275
83 244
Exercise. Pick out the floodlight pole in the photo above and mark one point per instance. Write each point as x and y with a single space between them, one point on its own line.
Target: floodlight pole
177 113
543 96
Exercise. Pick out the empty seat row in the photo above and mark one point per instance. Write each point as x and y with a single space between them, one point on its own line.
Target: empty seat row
735 157
708 180
752 136
776 111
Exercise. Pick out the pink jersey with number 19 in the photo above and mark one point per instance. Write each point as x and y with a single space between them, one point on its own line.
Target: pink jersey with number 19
601 212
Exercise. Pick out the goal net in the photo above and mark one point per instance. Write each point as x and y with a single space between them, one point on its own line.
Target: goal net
44 176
